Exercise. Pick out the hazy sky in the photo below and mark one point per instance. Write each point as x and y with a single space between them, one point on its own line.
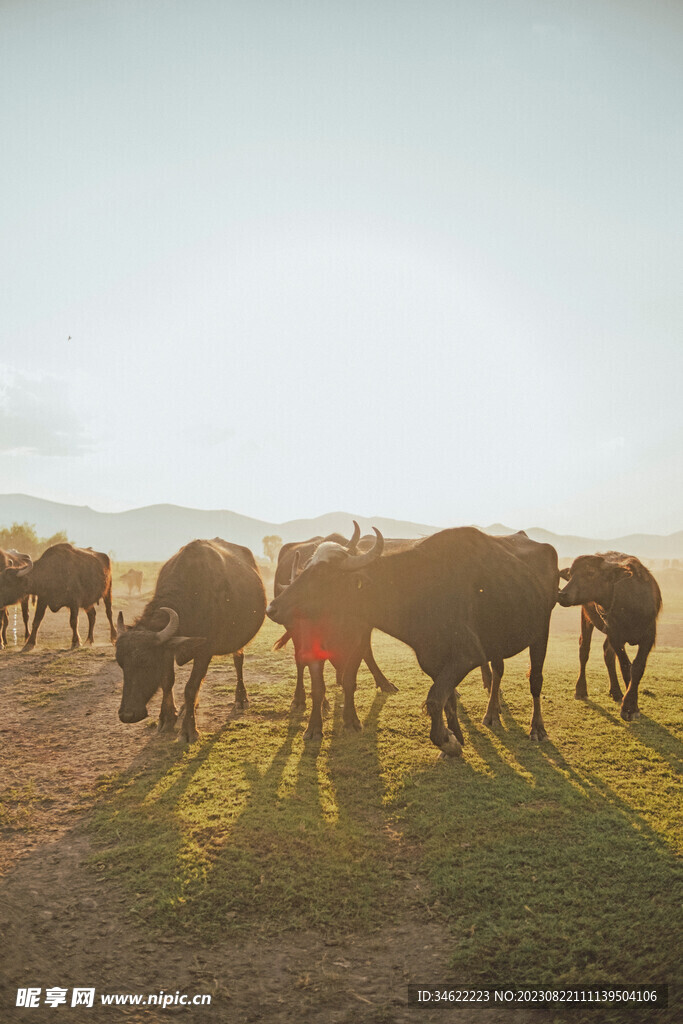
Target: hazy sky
419 259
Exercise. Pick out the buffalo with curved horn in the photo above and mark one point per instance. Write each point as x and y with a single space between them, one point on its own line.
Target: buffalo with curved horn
10 559
314 643
209 600
63 576
459 598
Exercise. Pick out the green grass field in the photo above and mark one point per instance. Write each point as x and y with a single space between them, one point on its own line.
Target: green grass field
552 863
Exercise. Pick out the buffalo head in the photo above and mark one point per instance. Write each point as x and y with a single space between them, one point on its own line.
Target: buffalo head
326 586
13 582
591 579
146 657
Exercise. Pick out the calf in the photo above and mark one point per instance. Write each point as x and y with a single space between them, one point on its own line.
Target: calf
622 598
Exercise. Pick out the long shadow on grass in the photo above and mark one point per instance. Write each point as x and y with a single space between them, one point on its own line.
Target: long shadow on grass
302 844
251 831
547 874
648 732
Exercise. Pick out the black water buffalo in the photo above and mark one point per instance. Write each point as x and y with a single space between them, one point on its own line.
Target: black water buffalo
459 598
309 649
133 580
622 598
63 576
209 599
9 558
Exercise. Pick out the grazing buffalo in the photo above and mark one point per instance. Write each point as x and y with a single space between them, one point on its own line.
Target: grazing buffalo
622 598
133 580
209 599
309 650
63 576
8 558
459 598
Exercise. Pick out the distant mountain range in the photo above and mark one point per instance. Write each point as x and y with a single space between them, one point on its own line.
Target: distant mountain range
155 532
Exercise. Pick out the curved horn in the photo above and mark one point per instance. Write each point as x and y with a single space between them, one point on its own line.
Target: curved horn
354 562
353 543
171 628
295 566
24 566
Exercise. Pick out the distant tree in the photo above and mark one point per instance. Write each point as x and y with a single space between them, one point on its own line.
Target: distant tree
271 545
23 537
60 537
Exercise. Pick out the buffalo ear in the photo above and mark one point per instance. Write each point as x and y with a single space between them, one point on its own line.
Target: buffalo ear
619 572
185 648
120 626
565 574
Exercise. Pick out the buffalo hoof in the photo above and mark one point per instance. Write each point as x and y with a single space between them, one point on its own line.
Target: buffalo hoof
353 723
314 732
241 705
581 694
451 748
630 716
190 735
326 706
537 733
385 686
297 705
491 720
167 727
27 647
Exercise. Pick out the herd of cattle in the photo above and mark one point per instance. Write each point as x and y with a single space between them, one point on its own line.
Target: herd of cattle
461 599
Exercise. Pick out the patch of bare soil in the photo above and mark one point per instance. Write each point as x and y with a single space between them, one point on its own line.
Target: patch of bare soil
63 926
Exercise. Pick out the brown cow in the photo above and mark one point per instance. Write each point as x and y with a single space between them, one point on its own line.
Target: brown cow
622 598
459 598
209 599
63 576
8 558
133 579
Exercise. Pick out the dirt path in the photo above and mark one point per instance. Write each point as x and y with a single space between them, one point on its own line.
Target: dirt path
63 925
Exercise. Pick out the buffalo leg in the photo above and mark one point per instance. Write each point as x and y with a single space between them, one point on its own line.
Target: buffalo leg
451 709
441 693
107 607
91 613
624 662
381 681
200 666
581 692
299 699
4 621
241 699
492 716
24 615
350 716
537 656
610 662
73 622
314 730
168 716
41 608
629 705
486 677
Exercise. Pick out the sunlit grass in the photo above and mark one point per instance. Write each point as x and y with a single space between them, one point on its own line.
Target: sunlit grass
547 863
